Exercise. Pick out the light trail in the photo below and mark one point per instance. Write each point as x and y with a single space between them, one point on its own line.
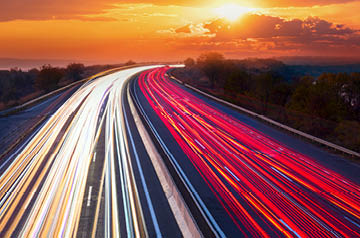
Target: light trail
266 188
43 187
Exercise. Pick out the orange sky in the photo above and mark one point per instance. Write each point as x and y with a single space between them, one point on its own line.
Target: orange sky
144 30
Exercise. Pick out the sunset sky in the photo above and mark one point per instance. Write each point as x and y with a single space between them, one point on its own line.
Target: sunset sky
109 31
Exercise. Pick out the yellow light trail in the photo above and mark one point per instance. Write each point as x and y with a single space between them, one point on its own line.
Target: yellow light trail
45 184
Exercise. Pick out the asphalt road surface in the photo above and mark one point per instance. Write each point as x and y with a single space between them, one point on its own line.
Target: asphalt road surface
85 172
250 180
77 176
12 126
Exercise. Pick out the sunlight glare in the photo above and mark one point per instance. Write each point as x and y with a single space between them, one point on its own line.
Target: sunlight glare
232 11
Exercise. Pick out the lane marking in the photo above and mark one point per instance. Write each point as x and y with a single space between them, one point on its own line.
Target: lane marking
180 211
199 144
290 228
93 233
282 174
94 157
232 173
142 177
204 209
89 197
352 221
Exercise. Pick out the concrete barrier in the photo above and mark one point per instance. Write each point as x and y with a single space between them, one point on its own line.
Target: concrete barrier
272 122
179 208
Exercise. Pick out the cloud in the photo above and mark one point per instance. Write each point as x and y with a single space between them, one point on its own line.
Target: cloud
297 3
256 3
50 9
72 9
184 29
254 33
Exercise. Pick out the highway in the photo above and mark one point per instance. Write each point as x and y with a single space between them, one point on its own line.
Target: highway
248 180
86 171
14 125
76 175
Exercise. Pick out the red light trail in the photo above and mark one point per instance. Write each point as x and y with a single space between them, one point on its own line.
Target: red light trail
265 187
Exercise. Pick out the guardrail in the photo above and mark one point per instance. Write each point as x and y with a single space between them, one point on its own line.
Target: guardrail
38 99
272 122
42 118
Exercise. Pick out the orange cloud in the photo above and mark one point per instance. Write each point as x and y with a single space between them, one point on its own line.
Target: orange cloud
110 31
74 9
50 9
274 35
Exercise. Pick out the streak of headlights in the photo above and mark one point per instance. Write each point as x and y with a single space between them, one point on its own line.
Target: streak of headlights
42 190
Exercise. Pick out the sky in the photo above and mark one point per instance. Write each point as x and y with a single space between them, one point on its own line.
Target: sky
111 31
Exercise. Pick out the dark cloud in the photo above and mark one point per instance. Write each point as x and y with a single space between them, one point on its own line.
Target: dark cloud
262 26
269 33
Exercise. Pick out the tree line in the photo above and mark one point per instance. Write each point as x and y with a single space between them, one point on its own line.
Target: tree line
17 86
327 106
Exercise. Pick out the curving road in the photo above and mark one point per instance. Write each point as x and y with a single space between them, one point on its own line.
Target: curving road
76 176
86 172
245 182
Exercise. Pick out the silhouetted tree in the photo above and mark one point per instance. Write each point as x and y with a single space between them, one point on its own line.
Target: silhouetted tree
237 82
74 71
300 97
189 62
212 64
347 132
130 62
350 93
265 84
48 78
281 93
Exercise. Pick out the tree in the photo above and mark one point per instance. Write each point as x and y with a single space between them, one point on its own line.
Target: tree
237 82
48 78
321 97
130 62
299 99
281 93
75 71
347 132
265 84
189 62
212 64
350 93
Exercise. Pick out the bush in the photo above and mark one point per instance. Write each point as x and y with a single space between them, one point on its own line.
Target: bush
347 133
189 62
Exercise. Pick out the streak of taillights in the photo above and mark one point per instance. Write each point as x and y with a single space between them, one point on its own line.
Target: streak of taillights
265 187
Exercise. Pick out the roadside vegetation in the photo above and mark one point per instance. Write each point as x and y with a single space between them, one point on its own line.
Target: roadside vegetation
325 105
18 87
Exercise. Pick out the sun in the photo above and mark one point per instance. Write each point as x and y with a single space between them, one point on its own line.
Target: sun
232 12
